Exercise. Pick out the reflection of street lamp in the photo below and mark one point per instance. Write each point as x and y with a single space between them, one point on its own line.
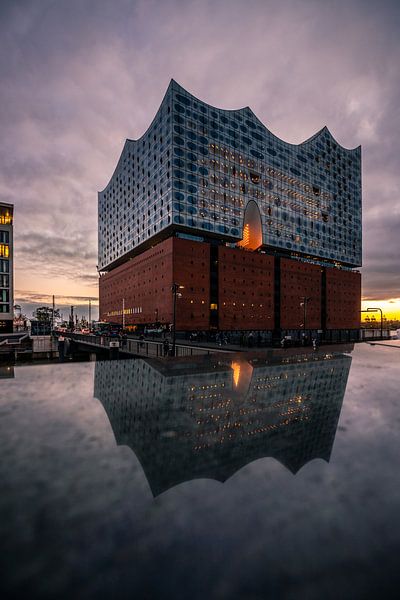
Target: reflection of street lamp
176 294
304 303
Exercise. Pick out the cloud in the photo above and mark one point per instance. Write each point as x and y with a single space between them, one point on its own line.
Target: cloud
77 78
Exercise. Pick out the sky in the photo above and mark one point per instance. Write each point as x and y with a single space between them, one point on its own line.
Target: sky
77 77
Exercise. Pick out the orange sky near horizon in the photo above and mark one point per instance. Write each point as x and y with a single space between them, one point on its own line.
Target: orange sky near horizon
390 308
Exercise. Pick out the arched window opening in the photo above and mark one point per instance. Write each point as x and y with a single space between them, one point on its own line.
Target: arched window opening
252 229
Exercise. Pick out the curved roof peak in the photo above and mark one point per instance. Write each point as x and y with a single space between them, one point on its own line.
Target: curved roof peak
314 136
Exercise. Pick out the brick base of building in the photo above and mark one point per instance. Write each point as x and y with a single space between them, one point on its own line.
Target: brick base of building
229 289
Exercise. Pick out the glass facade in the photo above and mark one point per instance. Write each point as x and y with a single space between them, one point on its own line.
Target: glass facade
197 168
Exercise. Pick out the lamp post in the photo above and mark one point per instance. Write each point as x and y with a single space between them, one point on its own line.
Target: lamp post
376 310
304 303
175 293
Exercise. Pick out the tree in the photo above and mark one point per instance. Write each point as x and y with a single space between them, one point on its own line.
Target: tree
45 313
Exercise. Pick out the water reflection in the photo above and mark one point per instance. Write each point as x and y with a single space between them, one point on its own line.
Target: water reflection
6 372
208 417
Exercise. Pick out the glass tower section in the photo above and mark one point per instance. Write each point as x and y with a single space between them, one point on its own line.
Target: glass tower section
197 168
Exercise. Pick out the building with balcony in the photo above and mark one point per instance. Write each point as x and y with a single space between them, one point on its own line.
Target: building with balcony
6 268
263 235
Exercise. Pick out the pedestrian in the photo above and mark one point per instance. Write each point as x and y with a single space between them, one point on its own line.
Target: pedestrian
166 347
315 343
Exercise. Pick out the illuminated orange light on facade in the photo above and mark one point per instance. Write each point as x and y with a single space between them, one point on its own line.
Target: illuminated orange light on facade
235 366
252 230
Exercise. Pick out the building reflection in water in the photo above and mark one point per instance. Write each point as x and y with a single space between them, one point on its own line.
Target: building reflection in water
207 417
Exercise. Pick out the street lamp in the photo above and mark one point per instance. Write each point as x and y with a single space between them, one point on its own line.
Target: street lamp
376 310
305 301
176 294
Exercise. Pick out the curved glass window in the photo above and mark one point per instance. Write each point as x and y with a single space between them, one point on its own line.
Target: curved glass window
208 226
179 108
192 157
203 171
256 136
178 184
178 129
192 135
179 174
214 114
203 150
179 219
271 151
203 140
246 140
192 167
294 171
178 162
178 151
179 207
257 154
202 119
192 177
234 124
178 140
234 231
192 210
192 189
302 158
192 222
214 125
179 196
178 119
250 124
192 200
192 145
224 119
183 99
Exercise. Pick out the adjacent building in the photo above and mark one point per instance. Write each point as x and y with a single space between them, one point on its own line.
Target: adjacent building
260 234
6 268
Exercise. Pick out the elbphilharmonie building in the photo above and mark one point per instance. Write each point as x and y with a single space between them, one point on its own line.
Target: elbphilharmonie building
252 227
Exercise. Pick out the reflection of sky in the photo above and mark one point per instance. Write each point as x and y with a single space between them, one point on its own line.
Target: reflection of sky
77 510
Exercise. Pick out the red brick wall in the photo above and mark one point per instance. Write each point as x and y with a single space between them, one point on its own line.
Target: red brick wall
343 294
246 289
145 283
300 279
192 270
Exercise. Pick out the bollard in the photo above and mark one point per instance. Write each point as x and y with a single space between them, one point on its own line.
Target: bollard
114 350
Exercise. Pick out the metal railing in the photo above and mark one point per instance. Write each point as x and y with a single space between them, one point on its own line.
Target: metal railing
135 347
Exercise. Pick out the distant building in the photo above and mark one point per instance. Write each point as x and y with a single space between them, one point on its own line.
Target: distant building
263 235
6 268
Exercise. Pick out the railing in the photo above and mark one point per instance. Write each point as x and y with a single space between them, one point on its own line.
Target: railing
11 341
139 347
